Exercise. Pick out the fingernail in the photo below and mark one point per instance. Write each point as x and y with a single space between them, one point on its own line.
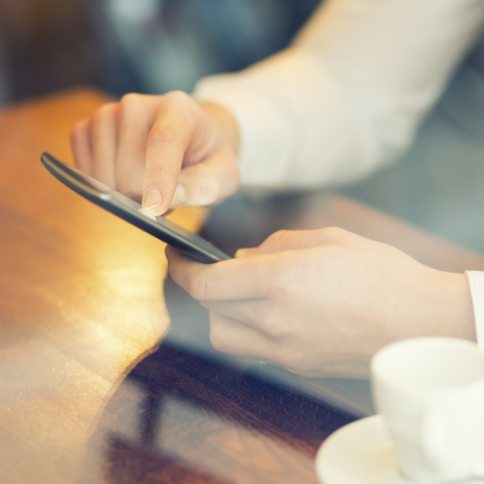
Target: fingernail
179 197
152 199
147 213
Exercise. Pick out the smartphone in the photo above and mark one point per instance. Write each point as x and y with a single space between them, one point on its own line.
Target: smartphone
190 244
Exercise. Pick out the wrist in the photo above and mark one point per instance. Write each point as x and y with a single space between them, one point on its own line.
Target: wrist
225 122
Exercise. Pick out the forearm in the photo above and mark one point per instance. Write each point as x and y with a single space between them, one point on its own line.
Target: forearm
349 93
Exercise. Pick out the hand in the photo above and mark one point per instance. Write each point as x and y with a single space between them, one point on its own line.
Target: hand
322 302
168 150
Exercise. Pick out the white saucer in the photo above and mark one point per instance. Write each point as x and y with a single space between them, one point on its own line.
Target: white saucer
360 453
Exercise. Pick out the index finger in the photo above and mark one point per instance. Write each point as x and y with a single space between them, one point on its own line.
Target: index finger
231 280
167 143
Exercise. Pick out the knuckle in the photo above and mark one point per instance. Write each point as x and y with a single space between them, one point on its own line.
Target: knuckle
104 111
278 235
276 238
176 97
131 98
131 105
161 136
102 118
197 287
334 233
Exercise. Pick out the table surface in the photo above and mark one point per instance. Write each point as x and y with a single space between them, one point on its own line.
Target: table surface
92 390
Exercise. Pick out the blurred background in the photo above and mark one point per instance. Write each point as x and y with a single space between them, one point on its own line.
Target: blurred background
136 45
152 46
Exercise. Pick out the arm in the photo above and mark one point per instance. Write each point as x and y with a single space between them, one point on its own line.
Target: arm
343 99
349 93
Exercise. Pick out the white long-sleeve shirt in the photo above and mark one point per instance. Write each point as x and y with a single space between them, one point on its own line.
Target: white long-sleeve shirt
349 93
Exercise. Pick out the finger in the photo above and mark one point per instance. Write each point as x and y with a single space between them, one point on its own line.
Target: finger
103 135
246 312
81 145
283 240
167 143
137 113
207 182
229 336
224 281
290 240
251 312
246 252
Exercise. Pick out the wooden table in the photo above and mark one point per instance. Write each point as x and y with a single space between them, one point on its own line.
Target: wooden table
82 305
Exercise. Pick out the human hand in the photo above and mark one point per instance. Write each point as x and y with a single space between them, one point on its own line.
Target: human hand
167 150
321 302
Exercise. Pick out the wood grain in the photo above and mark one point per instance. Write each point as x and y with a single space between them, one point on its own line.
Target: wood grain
83 306
80 297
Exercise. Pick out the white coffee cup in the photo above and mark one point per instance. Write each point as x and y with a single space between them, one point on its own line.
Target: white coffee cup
430 392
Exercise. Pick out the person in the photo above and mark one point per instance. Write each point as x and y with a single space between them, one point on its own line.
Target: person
346 97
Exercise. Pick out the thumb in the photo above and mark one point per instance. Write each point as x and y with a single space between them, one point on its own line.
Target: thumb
207 182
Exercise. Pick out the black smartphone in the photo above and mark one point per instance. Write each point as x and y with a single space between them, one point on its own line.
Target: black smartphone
124 207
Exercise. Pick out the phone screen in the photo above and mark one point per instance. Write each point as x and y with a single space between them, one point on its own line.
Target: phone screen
124 207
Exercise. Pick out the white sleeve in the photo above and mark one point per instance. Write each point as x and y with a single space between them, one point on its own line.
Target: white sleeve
476 283
348 94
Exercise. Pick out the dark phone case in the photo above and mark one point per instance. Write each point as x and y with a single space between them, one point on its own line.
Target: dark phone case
190 244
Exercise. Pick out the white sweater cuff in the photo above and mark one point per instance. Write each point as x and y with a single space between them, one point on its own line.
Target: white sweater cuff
297 127
476 283
262 163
